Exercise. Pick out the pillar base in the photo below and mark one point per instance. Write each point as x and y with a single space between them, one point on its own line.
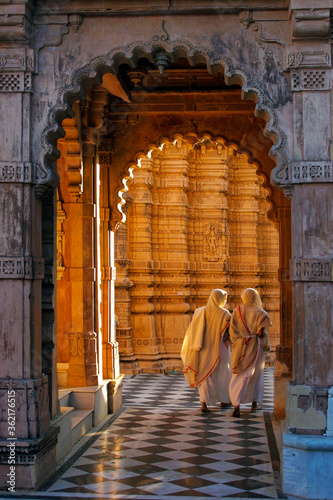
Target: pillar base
280 388
307 466
35 461
115 394
129 367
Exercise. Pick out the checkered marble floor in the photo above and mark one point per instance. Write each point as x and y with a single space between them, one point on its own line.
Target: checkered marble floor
161 446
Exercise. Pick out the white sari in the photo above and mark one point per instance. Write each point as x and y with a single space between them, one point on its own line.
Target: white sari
248 357
205 353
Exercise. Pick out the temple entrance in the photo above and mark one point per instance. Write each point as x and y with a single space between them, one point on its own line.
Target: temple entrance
191 132
196 211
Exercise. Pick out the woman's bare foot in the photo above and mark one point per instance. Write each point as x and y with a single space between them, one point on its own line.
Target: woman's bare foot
254 406
204 408
225 405
236 412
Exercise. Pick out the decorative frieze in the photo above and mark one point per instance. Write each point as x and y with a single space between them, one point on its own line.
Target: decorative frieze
310 80
318 58
17 61
312 171
21 268
15 82
15 171
311 270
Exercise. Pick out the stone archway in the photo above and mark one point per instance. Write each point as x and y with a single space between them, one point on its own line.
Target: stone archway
94 73
281 56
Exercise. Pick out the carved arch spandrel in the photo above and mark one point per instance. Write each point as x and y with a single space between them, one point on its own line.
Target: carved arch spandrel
93 72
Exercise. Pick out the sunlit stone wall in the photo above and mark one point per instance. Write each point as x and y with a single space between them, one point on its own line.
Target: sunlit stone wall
196 220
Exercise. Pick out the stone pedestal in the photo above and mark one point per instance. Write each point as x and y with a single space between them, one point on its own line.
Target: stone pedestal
115 387
307 464
35 461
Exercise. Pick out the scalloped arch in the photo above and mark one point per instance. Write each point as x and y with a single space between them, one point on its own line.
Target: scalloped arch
92 74
195 140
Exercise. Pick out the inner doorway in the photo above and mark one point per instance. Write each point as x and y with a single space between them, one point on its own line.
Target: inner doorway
197 219
191 113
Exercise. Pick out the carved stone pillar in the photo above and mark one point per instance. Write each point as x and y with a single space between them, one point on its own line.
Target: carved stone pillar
284 365
139 225
80 274
24 389
243 214
172 280
123 285
107 269
307 451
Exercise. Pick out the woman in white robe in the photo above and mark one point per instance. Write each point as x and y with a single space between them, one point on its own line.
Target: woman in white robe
206 351
247 357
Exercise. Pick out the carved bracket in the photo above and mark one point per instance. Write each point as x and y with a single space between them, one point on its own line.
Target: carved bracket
312 171
44 178
311 269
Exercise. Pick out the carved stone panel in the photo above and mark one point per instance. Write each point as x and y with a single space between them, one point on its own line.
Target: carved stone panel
311 270
310 80
312 171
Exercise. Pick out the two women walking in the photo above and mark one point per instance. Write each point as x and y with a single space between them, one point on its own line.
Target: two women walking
223 355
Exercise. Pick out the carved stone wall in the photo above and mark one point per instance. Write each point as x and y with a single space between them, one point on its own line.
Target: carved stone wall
197 221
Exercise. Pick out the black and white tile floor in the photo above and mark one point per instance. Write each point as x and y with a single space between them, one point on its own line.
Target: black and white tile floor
160 446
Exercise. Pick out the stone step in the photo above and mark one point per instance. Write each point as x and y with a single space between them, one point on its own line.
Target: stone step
82 422
65 397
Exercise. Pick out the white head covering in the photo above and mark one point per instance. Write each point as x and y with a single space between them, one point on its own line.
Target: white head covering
250 296
217 298
201 347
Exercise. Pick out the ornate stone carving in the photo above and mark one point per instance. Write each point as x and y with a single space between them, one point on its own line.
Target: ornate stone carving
15 172
201 224
163 35
32 411
309 80
318 58
11 82
21 60
44 178
21 268
307 409
74 167
311 270
213 242
61 216
195 55
83 344
312 171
